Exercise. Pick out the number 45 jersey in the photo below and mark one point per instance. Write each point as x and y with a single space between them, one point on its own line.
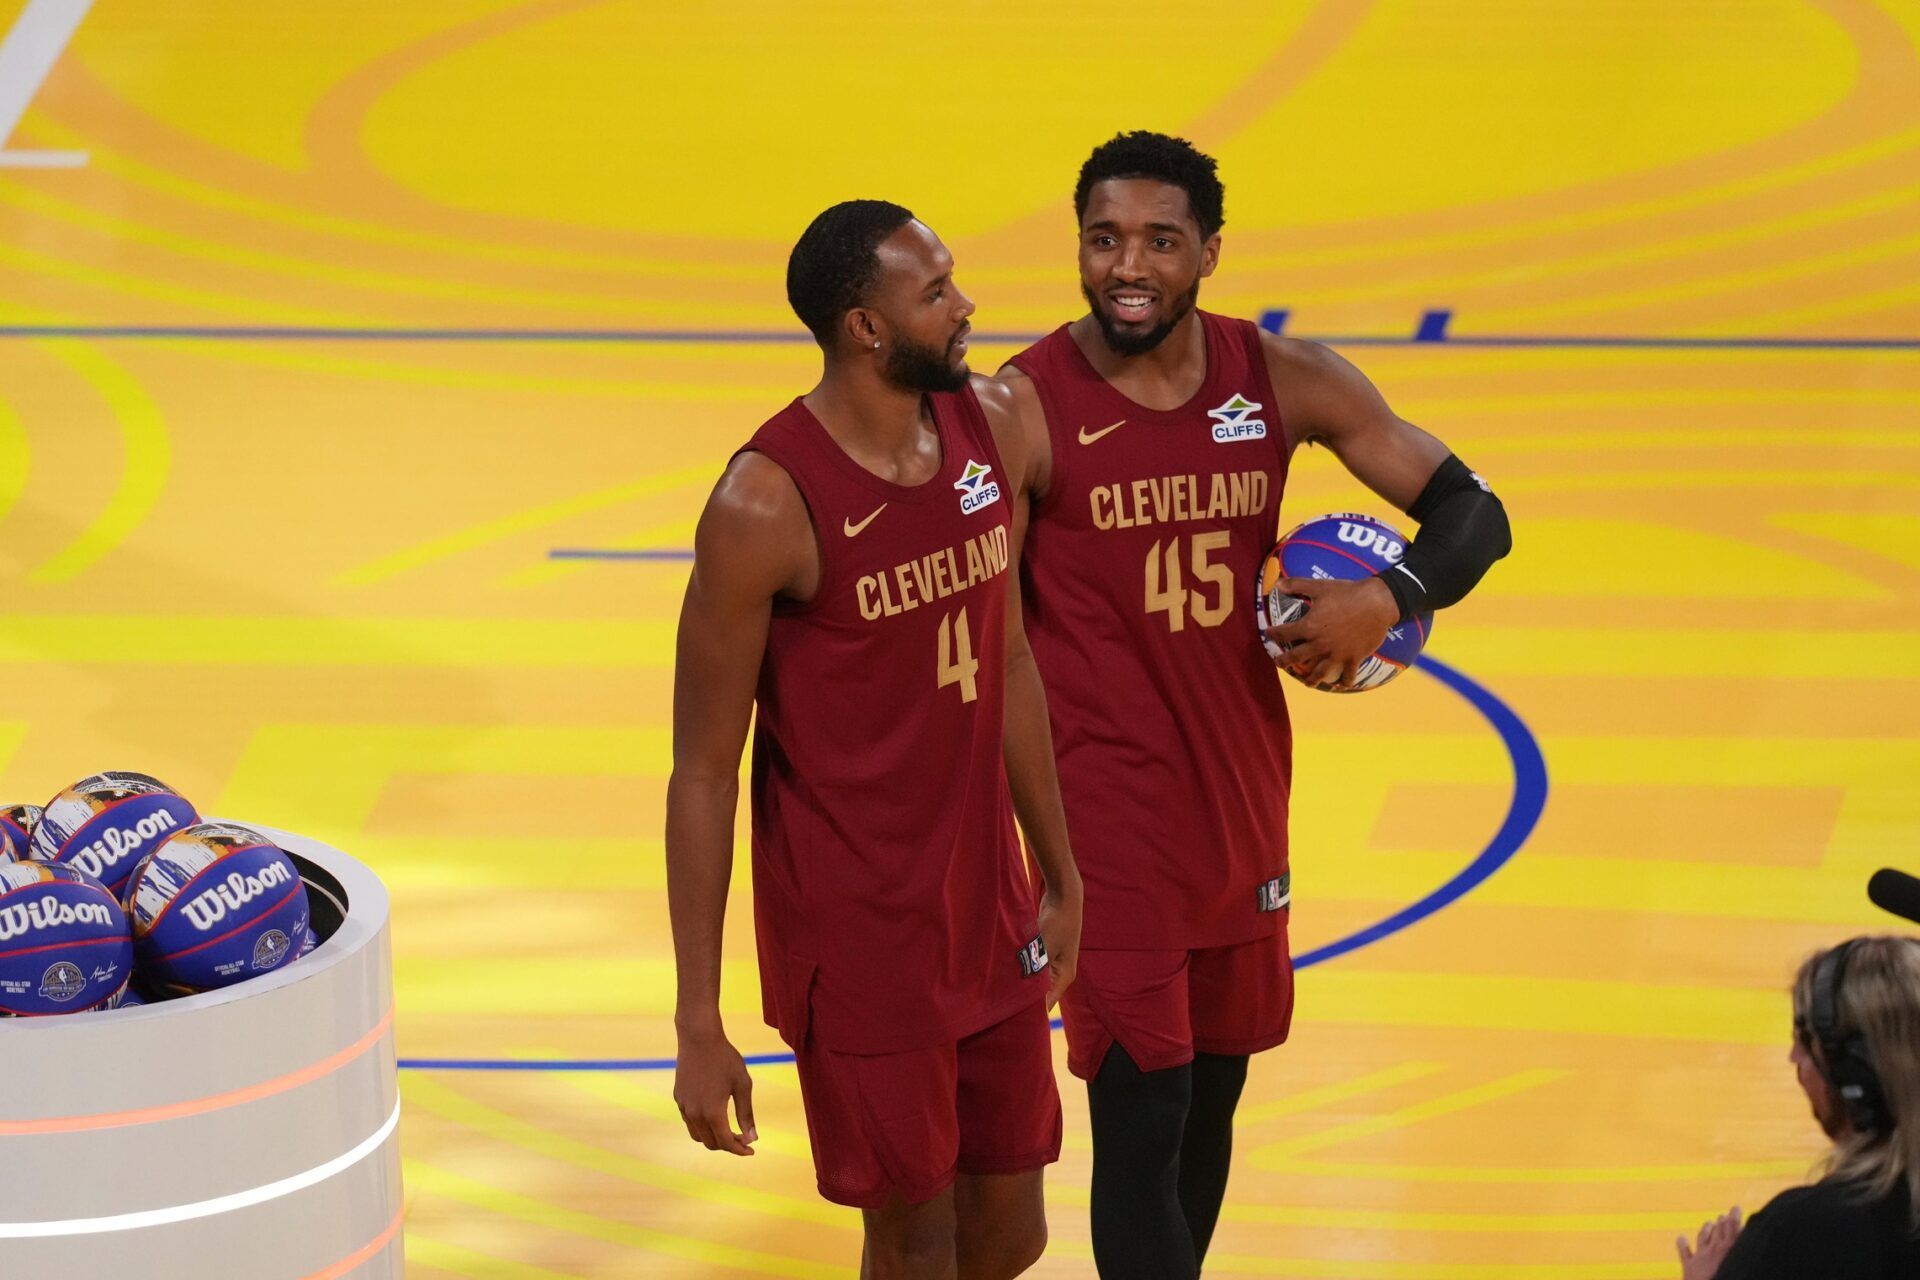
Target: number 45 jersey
891 904
1171 731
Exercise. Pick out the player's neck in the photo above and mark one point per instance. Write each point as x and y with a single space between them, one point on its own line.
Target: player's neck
885 428
1163 378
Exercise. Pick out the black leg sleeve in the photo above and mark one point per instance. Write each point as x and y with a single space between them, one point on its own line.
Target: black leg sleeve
1206 1149
1139 1118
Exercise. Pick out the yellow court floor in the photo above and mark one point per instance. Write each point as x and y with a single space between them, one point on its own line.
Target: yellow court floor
324 327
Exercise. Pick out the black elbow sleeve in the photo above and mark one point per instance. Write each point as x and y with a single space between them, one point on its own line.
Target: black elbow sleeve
1463 530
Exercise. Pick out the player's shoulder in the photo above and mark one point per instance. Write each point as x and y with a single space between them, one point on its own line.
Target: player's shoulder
1010 391
754 495
1305 359
1014 415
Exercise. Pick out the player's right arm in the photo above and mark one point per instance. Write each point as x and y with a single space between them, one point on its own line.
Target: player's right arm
754 543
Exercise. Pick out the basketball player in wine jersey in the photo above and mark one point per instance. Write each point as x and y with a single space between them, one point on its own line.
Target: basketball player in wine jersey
1161 436
854 577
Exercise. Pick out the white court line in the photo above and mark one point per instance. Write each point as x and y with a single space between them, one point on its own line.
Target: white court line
204 1208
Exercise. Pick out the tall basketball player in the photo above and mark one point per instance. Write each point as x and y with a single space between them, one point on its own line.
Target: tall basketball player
853 577
1161 437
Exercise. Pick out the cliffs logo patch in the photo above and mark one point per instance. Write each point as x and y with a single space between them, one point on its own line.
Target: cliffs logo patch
976 488
62 981
1234 421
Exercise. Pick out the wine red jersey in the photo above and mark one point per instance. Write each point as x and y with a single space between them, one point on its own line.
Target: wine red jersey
1139 574
890 899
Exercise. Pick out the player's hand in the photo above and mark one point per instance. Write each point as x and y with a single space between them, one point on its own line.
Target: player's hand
709 1072
1703 1260
1344 623
1060 930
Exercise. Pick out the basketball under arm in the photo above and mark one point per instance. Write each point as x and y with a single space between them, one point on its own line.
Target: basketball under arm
1463 530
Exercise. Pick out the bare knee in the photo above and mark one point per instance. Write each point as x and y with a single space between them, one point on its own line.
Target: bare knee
1012 1248
1000 1227
910 1242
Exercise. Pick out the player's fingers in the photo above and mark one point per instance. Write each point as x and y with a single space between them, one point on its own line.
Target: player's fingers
1325 674
743 1108
1680 1243
1059 978
1299 648
1305 588
722 1134
1350 674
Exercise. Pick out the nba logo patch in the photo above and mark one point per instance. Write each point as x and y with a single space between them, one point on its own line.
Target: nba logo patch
1276 893
62 982
976 489
1234 421
267 952
1033 957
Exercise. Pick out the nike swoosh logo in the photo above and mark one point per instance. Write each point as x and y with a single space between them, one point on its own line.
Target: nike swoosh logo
1088 437
853 529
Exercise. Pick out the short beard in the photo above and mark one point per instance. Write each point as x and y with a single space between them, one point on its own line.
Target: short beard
913 367
1124 343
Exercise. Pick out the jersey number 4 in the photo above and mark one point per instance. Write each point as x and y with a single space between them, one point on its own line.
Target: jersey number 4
1165 593
957 663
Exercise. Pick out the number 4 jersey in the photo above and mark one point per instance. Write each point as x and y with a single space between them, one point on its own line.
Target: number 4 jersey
1171 732
890 901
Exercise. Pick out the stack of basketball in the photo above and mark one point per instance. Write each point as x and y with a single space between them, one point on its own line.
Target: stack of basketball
117 893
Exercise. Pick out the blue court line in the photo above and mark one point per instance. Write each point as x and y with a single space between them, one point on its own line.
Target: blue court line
1435 331
1523 815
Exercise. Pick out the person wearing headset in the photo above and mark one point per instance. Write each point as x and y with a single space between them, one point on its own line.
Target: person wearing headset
1856 1048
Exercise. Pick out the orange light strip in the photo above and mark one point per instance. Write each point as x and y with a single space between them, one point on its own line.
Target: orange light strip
361 1254
212 1102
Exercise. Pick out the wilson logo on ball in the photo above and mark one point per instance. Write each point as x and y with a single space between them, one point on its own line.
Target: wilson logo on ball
1371 539
206 909
114 844
17 918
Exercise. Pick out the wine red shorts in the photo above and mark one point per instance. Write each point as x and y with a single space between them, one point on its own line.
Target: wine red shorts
906 1123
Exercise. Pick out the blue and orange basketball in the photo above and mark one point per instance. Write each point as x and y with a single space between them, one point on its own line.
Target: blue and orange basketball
215 904
16 831
106 823
1349 548
64 941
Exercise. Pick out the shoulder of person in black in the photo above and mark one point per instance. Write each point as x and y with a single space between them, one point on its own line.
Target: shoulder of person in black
1827 1232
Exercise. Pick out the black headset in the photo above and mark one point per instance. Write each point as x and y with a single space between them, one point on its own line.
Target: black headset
1847 1067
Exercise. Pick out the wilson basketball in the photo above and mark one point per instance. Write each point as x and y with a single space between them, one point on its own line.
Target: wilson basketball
64 941
106 823
215 904
1348 548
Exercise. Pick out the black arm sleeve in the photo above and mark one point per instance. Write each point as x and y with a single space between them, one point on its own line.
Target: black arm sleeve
1463 530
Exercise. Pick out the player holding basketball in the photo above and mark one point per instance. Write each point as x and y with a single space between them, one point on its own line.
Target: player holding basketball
853 576
1161 437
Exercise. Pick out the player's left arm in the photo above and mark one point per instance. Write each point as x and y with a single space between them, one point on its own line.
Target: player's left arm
1019 432
1463 527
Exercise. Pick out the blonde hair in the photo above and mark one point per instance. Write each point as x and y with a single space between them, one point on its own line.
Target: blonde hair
1879 999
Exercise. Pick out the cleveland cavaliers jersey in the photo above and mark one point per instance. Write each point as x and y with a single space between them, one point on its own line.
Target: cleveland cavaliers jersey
1139 570
890 900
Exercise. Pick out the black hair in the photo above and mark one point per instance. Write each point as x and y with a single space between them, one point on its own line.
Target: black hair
1174 161
835 262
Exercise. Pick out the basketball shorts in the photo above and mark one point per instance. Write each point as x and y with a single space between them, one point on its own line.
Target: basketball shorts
1165 1006
906 1123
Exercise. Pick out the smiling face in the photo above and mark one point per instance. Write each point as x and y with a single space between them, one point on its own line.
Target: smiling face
920 314
1142 258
